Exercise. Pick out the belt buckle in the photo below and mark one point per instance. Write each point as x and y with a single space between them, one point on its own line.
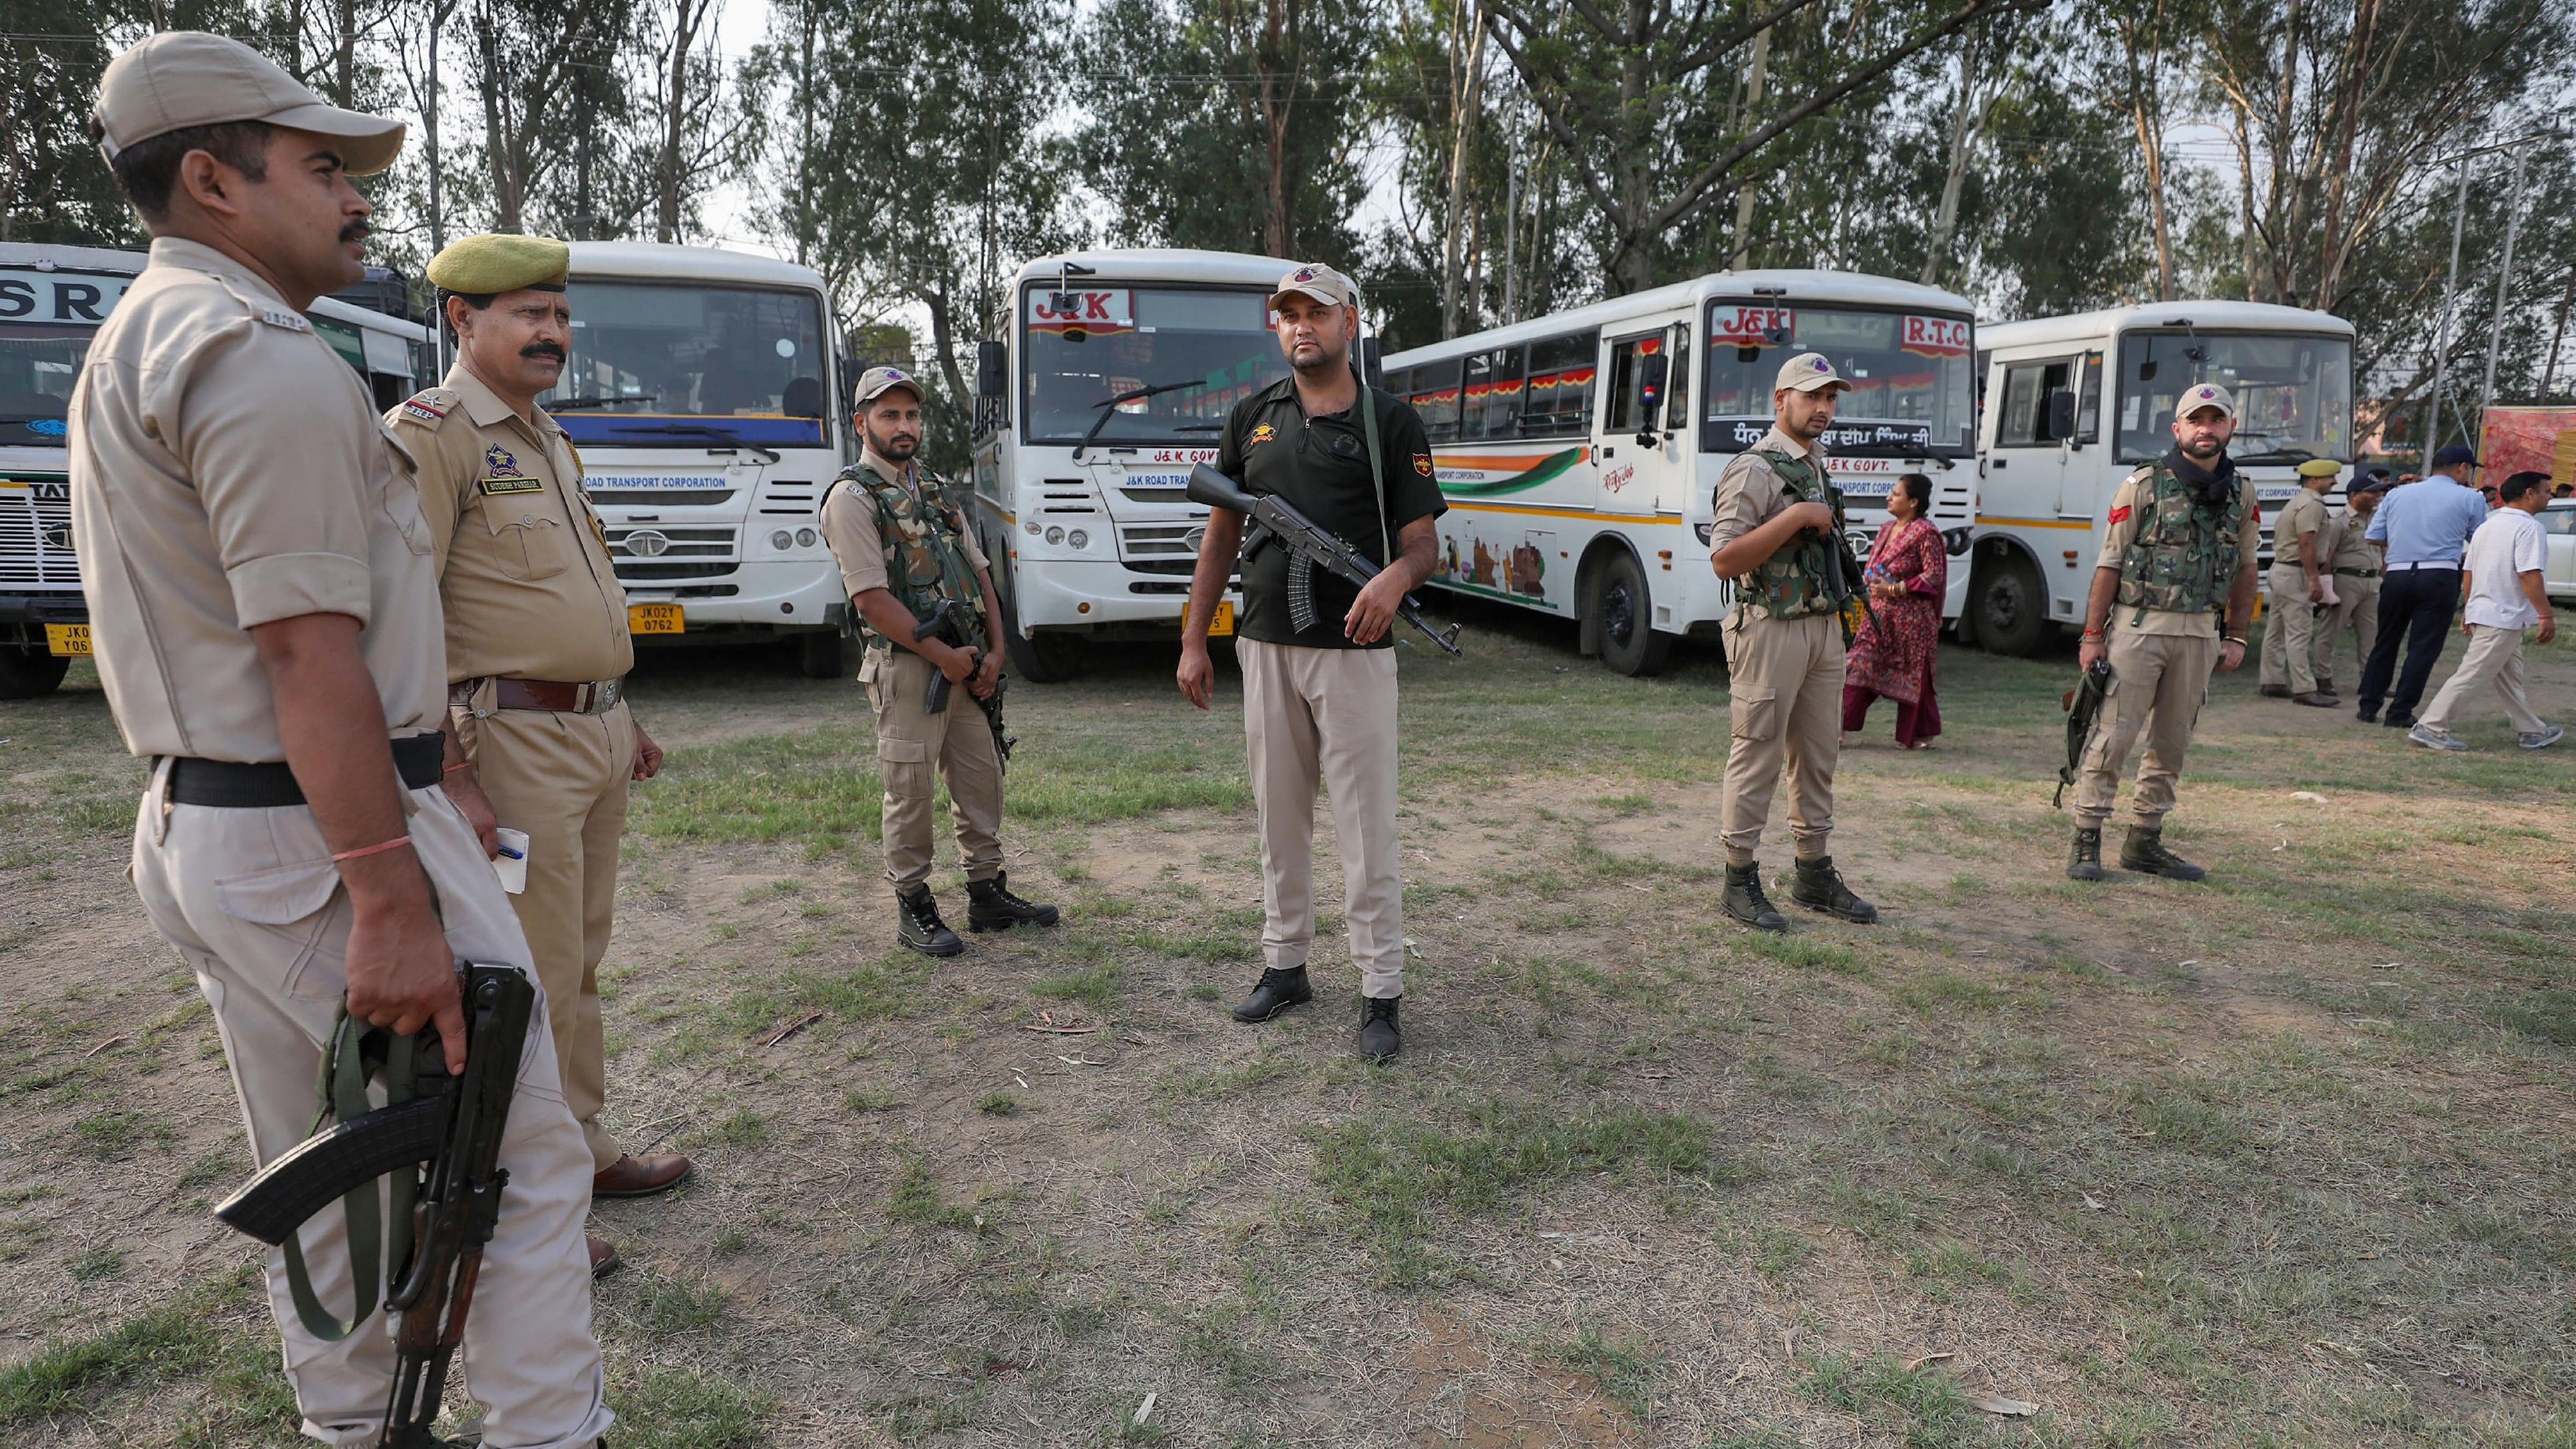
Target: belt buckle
582 695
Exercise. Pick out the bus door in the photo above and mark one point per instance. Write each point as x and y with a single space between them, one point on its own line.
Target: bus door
1642 442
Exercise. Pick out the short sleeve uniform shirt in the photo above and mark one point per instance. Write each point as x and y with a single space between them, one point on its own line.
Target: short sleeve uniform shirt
228 470
2120 529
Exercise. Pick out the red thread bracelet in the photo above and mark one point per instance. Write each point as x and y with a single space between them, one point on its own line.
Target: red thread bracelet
364 851
452 769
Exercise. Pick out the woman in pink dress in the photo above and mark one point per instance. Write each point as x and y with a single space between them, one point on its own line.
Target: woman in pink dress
1891 657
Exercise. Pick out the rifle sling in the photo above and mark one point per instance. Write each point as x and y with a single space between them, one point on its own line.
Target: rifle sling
344 1094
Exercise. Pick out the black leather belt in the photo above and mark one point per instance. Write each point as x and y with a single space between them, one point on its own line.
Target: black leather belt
595 696
2358 573
232 785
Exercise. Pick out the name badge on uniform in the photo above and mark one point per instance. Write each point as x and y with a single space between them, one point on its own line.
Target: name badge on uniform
513 485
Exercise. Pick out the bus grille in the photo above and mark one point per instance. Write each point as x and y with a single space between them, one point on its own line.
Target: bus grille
36 540
1161 541
682 551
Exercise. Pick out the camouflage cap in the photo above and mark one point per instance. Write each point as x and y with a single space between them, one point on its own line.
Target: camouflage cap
878 379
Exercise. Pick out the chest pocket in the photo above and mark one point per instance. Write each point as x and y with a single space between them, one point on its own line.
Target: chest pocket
526 544
400 495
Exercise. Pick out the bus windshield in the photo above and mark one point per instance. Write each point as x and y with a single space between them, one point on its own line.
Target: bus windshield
1079 349
1912 377
684 365
2293 392
38 365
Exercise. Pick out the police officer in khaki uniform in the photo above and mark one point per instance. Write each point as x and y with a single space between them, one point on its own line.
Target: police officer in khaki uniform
265 609
2303 544
1776 537
2178 548
905 547
537 651
2356 576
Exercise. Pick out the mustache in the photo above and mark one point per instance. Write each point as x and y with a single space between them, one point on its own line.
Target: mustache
543 349
356 231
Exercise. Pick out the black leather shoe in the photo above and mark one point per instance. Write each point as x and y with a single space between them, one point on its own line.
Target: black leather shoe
2084 860
1744 901
1819 887
2317 699
922 930
2144 851
1274 993
1379 1038
990 906
2366 715
2276 691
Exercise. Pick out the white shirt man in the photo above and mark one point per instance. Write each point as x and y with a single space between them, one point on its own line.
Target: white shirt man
2504 566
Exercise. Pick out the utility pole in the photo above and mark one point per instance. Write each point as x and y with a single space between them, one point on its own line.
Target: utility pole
2442 334
2504 285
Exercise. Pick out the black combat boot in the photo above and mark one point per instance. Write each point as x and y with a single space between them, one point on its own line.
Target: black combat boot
1745 902
2144 851
2084 861
1819 887
1379 1038
1274 993
990 906
922 929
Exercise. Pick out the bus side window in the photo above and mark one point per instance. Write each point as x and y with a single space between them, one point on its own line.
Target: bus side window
2027 386
1435 398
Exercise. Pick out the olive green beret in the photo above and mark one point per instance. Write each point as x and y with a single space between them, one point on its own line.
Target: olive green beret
2319 468
497 262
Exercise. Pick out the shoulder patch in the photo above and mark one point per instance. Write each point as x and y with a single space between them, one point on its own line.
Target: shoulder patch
280 317
429 406
2120 514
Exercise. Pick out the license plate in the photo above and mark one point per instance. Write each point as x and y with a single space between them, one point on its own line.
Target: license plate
1221 622
67 640
653 619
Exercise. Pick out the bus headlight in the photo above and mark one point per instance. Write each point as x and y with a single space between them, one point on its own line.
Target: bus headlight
1078 539
806 538
1055 535
782 540
1032 527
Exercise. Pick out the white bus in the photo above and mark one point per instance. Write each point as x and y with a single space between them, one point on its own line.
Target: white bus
52 300
1117 374
703 388
1577 489
2074 404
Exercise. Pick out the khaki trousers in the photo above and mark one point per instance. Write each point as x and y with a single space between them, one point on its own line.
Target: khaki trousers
253 904
1325 716
2494 658
562 778
1786 682
2289 633
917 749
2356 607
2159 682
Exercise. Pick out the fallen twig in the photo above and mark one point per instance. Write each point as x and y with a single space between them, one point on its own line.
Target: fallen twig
102 1046
790 1029
1060 1030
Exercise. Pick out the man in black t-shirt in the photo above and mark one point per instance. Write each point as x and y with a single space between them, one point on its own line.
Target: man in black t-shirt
1319 703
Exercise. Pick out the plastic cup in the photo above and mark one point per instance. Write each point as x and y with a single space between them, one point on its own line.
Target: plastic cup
511 865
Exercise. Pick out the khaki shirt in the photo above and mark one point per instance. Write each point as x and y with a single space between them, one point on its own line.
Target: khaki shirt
849 524
1749 493
2123 530
2351 550
2306 512
227 471
523 567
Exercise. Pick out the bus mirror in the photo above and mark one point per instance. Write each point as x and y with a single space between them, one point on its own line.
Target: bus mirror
1372 368
2061 415
992 370
1652 372
849 383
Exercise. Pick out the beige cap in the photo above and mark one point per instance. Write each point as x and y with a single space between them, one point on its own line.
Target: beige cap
496 262
877 379
1807 372
1319 282
2204 395
183 78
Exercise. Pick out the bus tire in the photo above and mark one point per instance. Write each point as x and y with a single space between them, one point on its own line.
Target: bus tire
1621 609
818 654
2009 605
1045 658
28 672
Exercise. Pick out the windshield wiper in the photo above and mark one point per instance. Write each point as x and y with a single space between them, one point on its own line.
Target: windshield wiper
724 436
1109 409
572 403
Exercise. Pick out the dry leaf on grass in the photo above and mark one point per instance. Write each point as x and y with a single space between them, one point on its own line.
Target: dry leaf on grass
1912 1364
2009 1408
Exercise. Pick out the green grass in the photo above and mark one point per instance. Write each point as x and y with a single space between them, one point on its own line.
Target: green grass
668 1307
1626 1374
76 1375
687 1408
1924 1405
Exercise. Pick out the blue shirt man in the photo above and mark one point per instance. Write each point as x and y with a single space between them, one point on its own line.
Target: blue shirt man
2425 527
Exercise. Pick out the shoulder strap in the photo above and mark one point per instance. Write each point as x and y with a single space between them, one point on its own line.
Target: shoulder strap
1377 472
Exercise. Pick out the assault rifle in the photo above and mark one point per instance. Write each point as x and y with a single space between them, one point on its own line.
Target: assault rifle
1844 578
2083 706
439 1139
944 623
1309 547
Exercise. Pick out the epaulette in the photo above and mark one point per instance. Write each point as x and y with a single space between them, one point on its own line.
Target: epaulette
429 407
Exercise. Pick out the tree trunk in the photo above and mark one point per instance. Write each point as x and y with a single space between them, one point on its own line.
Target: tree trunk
1963 129
1278 37
2245 234
1742 256
499 143
429 133
344 69
668 183
1464 92
937 299
2352 85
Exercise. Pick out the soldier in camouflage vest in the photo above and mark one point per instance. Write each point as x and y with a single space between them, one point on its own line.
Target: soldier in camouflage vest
2178 551
1776 536
906 548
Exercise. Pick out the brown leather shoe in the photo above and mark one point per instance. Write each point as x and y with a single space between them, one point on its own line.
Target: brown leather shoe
640 1176
603 1257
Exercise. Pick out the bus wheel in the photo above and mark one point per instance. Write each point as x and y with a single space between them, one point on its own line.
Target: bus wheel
818 654
2011 607
1629 643
1046 658
28 672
